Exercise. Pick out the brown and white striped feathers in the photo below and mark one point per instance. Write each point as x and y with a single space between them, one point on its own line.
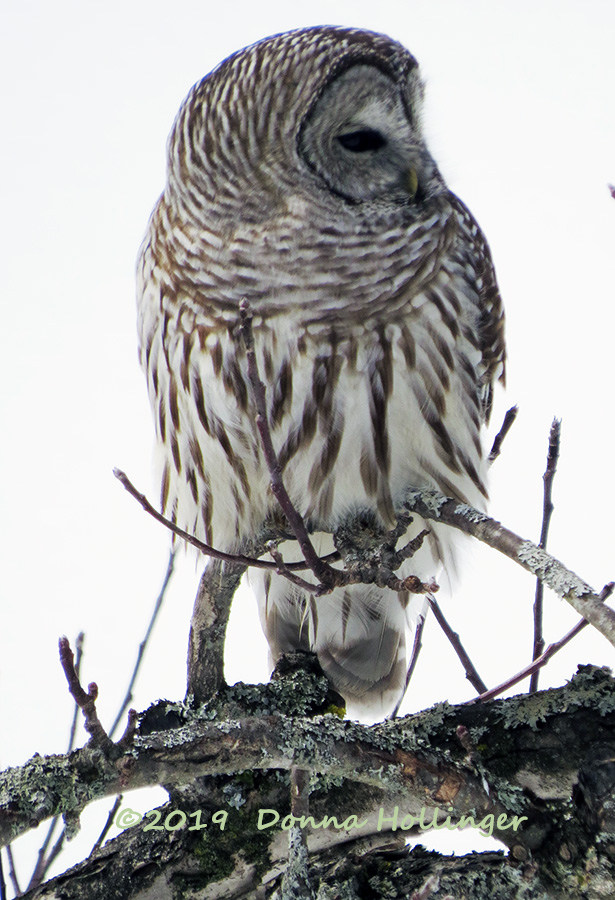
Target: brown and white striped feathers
299 179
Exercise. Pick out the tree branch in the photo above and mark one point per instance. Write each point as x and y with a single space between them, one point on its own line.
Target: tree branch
430 504
410 767
507 424
414 658
210 615
157 607
471 673
86 701
324 572
545 656
547 512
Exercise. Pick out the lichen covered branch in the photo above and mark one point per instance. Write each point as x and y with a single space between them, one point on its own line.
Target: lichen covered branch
433 505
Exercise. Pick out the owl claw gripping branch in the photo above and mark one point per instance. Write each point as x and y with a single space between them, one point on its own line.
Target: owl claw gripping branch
299 179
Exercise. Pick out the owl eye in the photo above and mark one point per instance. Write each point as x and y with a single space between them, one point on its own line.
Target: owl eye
363 140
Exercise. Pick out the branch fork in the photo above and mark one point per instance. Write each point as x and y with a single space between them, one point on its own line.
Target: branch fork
86 701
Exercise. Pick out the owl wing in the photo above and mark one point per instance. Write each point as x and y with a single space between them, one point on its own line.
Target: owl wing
491 321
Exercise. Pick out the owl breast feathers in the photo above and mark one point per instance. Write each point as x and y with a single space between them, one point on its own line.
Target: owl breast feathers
299 179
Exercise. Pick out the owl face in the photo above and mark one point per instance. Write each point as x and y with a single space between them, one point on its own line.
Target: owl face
362 138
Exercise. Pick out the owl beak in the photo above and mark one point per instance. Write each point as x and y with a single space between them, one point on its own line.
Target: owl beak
411 182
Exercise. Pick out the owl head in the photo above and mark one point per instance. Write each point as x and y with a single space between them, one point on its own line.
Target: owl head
329 113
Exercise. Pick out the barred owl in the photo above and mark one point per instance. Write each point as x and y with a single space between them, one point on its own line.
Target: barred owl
298 178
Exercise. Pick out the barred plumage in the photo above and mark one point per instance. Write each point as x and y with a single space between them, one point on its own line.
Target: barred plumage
298 178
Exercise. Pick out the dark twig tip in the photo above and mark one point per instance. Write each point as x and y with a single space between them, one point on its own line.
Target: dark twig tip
507 424
126 740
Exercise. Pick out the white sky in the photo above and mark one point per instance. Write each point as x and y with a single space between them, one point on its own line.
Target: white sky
519 115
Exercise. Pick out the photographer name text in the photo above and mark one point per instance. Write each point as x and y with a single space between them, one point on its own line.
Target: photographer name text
268 818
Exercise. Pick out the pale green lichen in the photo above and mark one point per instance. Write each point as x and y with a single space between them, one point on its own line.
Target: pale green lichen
554 573
471 514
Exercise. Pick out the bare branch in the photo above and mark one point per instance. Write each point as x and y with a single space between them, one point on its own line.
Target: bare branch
127 739
210 615
547 511
543 659
532 667
79 642
157 607
325 573
43 860
471 673
13 871
431 504
233 558
237 558
110 818
414 657
509 421
40 874
282 569
2 881
85 701
412 547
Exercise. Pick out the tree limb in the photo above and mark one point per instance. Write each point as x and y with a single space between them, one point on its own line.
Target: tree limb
520 757
433 505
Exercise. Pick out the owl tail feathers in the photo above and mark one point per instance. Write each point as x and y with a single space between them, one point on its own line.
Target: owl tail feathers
369 674
357 632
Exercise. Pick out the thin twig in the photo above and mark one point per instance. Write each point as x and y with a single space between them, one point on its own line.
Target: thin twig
543 659
49 861
103 834
509 421
547 512
324 572
282 569
471 674
127 738
206 550
532 667
79 642
157 607
328 577
414 656
13 871
2 881
86 701
44 861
